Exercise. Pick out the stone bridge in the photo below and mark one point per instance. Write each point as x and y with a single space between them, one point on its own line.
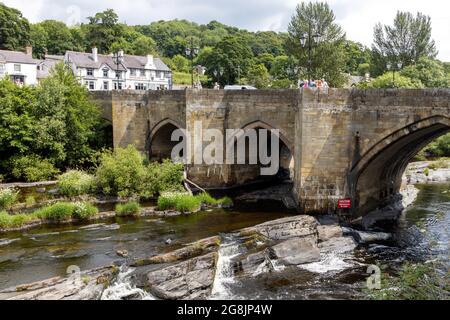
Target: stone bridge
337 144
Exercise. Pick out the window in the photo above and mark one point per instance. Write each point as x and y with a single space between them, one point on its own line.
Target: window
105 85
142 72
90 72
162 75
105 73
140 86
117 85
133 72
119 74
17 67
90 85
2 69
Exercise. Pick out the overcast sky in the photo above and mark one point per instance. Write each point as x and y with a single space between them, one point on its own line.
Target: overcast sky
357 17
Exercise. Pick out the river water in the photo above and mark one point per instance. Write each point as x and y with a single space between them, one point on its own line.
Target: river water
423 234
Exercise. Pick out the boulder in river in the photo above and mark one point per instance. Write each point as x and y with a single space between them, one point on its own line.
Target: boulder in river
296 251
187 280
328 232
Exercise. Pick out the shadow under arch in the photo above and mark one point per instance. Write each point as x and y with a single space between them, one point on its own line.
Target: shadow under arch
159 140
251 172
377 176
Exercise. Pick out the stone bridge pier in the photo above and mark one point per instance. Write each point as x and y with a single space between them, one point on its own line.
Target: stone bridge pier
335 144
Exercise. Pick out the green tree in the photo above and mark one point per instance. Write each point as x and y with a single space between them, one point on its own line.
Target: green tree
103 30
386 81
14 29
328 57
266 59
406 41
283 67
181 63
144 45
258 76
39 40
66 112
357 55
430 72
58 36
233 56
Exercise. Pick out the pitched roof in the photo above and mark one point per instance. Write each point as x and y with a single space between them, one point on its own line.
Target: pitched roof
86 60
45 67
16 57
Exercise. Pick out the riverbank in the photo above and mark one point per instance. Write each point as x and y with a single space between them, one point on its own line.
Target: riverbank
425 172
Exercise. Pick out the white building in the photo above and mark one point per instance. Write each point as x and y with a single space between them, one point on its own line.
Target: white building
20 67
101 72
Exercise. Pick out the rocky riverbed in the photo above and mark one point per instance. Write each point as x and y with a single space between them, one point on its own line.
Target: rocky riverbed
196 271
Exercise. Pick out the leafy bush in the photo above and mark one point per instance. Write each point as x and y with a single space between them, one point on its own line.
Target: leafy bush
33 169
426 171
122 173
58 212
76 183
8 221
128 209
164 177
126 173
8 197
84 211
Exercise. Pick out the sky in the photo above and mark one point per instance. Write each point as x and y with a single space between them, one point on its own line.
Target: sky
357 17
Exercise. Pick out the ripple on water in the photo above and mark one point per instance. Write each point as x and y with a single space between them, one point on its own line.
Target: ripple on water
5 242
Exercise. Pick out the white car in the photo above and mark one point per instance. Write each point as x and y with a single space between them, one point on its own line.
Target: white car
239 87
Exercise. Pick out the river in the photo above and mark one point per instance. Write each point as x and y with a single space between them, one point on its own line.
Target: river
422 234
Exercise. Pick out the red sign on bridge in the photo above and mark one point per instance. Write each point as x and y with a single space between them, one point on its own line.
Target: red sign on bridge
345 204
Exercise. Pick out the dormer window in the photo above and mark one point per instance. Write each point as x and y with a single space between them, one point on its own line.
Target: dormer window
105 73
90 72
133 72
17 67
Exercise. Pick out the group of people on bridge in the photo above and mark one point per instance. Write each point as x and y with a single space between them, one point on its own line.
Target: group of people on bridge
322 83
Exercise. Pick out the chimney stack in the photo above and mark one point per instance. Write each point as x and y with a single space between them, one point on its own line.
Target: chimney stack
150 61
95 54
29 51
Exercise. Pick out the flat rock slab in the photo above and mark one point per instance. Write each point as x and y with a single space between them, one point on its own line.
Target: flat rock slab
286 228
191 279
296 251
85 286
340 245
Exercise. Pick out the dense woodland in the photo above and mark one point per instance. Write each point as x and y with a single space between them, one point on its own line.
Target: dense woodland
232 55
53 127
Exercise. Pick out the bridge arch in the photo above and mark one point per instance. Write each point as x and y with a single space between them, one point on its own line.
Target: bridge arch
159 142
252 172
377 176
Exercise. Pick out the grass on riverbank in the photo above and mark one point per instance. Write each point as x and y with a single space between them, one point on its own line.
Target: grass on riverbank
184 202
58 212
130 209
414 282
